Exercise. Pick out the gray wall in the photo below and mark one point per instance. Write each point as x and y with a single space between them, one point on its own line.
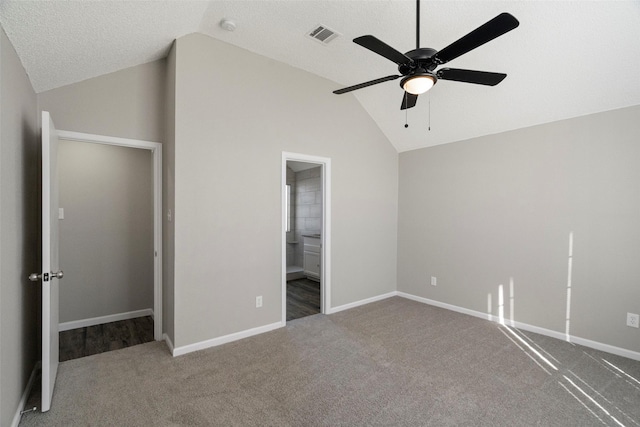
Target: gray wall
229 120
106 236
168 195
127 103
489 211
131 103
19 230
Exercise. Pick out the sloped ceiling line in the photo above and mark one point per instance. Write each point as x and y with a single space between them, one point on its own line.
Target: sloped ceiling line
556 61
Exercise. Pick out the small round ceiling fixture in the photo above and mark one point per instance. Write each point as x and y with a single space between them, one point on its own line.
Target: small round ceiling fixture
228 24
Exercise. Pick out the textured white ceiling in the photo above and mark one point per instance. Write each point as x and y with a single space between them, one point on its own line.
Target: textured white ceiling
567 58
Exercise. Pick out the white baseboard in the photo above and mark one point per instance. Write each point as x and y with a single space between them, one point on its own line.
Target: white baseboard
83 323
25 395
361 302
526 327
179 351
168 341
447 306
607 348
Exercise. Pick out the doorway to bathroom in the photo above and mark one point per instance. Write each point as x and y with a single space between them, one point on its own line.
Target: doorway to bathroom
306 237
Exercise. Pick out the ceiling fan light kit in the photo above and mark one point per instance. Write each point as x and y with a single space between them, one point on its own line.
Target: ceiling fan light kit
418 83
418 67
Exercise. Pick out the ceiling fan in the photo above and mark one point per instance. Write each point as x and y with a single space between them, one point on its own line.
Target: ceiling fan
418 67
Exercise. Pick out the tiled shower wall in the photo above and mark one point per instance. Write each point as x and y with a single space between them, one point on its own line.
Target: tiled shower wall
291 253
308 207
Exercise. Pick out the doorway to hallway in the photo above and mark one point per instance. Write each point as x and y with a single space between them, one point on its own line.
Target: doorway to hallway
110 239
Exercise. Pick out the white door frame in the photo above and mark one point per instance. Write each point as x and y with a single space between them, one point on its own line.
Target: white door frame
156 150
325 265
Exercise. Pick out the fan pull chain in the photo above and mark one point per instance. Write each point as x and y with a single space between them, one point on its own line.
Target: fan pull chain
406 125
429 112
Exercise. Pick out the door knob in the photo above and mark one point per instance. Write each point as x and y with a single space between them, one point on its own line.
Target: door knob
34 277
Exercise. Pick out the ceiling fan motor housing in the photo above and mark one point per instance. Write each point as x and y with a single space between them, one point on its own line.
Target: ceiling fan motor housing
422 65
423 59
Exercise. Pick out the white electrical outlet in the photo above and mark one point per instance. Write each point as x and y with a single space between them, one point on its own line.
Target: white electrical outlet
259 302
434 281
633 320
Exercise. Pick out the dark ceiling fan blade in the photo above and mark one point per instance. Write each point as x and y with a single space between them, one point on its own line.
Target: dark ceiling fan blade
381 48
408 100
365 84
496 27
471 76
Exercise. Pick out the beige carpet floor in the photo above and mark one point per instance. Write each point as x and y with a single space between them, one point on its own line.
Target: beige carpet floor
391 363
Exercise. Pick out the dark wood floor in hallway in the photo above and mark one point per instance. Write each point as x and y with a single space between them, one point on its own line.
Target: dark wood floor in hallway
303 298
96 339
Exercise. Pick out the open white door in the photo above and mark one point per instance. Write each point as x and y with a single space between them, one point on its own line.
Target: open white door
51 272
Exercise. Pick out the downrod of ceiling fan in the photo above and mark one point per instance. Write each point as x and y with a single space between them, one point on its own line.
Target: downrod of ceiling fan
417 24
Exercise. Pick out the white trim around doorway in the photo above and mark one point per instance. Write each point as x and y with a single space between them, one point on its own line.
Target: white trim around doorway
156 151
325 268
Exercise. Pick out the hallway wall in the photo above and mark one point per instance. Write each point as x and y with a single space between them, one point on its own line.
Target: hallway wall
106 236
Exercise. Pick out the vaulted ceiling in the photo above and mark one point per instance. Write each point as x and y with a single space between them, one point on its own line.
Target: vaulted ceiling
566 59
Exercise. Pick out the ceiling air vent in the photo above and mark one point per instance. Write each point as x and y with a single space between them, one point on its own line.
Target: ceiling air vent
322 34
